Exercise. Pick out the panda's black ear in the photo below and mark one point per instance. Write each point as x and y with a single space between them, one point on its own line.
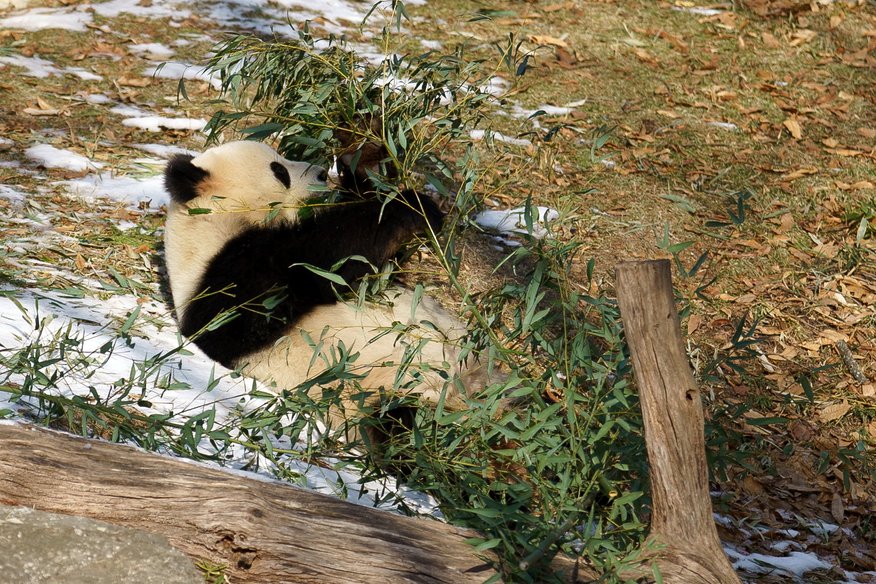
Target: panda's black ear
181 178
282 174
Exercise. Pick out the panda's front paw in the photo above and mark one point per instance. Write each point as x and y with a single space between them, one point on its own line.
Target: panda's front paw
426 208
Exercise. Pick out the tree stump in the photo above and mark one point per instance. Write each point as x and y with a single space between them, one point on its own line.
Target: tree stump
687 549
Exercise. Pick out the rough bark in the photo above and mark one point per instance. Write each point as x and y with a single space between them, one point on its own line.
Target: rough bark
264 531
682 526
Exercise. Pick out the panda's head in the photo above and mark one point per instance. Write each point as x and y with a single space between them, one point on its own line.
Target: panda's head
246 182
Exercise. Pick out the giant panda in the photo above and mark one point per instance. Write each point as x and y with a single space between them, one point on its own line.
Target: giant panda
237 251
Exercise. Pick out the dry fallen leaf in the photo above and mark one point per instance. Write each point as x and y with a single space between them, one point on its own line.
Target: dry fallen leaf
794 128
786 222
844 152
833 336
770 41
557 7
134 81
837 509
799 173
861 185
645 57
32 111
548 40
802 36
752 487
834 412
799 430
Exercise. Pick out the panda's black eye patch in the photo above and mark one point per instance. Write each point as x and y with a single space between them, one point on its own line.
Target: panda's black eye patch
282 173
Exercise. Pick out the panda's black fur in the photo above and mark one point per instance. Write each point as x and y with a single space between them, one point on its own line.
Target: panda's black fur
237 249
257 280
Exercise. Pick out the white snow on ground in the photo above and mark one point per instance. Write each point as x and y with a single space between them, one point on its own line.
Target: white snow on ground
182 71
555 110
698 10
478 135
723 125
128 111
11 194
51 157
158 9
120 188
156 123
513 221
39 67
43 18
177 384
163 150
497 86
795 564
77 18
338 11
152 50
138 118
96 98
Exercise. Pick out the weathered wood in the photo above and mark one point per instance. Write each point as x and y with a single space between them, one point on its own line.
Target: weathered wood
264 531
673 419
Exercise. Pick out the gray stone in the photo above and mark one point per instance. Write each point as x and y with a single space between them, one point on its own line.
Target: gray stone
47 548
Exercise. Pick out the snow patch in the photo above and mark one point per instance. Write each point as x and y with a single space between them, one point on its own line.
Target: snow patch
51 157
183 71
336 10
723 125
163 150
514 221
152 50
12 194
698 10
125 189
96 98
478 135
496 86
555 110
128 111
794 564
114 8
48 18
40 68
156 123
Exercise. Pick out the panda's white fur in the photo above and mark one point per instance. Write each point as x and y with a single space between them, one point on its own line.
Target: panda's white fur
244 237
238 192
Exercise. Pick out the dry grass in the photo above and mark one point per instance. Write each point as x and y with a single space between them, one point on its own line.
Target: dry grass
797 88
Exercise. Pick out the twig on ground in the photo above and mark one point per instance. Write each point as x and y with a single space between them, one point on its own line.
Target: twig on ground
849 359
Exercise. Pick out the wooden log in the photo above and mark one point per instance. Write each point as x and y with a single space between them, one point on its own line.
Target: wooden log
264 531
682 525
